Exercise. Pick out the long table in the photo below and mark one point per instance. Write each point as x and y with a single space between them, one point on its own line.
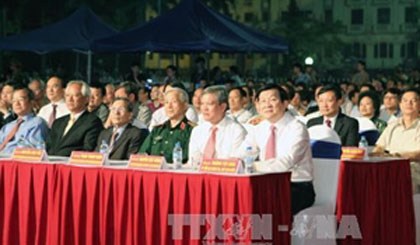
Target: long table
379 194
43 203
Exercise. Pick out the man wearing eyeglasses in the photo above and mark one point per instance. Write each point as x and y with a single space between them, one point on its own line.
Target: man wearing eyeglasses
401 138
122 138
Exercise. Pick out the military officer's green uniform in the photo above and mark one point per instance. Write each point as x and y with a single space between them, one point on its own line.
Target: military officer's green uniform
162 139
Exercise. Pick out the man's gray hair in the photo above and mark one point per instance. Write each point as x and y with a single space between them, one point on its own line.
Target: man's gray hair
183 96
219 91
85 87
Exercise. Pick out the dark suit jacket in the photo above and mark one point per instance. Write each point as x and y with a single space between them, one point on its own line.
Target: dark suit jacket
82 136
129 142
346 127
11 117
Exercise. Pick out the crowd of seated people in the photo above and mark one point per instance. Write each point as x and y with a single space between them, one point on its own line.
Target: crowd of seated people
213 120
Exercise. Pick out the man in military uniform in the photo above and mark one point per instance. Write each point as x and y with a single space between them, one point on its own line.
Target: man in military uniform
177 128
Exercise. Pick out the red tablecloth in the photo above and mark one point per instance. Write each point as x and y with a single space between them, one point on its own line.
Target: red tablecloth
62 204
380 195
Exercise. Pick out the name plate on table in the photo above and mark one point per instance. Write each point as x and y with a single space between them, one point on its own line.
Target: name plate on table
87 158
29 154
352 153
146 162
227 166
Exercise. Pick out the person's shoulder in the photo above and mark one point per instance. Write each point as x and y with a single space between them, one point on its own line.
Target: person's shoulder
314 121
188 123
256 120
38 120
347 118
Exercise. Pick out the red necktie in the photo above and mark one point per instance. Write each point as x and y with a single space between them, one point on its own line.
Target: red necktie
52 116
11 134
328 122
210 149
270 150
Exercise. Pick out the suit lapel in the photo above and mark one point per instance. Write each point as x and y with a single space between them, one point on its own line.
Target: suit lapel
79 122
339 124
62 127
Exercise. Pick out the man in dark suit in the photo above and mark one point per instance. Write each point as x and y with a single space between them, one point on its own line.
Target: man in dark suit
122 138
6 113
78 131
329 106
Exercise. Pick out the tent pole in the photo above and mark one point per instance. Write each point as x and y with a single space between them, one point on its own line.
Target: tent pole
89 66
208 66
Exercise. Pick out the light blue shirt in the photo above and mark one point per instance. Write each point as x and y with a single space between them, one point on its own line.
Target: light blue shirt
32 129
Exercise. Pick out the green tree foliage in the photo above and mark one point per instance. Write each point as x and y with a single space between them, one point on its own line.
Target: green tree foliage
307 35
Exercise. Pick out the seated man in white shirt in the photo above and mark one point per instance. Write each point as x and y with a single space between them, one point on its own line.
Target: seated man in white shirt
282 143
219 136
236 105
57 106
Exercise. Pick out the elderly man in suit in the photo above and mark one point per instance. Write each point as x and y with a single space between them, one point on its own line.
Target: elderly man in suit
329 106
77 131
122 138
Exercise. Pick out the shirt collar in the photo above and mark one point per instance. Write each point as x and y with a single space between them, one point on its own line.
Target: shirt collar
222 123
332 119
62 101
283 121
26 117
120 129
401 123
77 115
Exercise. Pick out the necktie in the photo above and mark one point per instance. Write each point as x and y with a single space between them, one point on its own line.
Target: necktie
113 139
210 149
11 134
52 116
69 125
328 122
270 150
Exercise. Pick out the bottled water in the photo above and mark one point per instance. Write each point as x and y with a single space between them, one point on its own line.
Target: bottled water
177 155
104 147
249 160
40 143
364 145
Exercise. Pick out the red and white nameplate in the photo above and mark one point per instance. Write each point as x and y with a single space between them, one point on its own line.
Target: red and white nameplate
87 158
29 154
146 162
227 166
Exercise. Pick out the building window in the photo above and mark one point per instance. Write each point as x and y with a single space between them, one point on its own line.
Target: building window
391 50
402 50
411 15
265 16
412 50
359 50
383 50
357 17
328 16
249 17
375 51
384 15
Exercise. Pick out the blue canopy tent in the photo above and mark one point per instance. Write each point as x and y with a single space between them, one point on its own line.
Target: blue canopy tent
76 32
192 27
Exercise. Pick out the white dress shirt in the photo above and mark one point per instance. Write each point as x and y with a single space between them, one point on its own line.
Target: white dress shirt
332 119
159 116
46 110
242 116
229 136
293 151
